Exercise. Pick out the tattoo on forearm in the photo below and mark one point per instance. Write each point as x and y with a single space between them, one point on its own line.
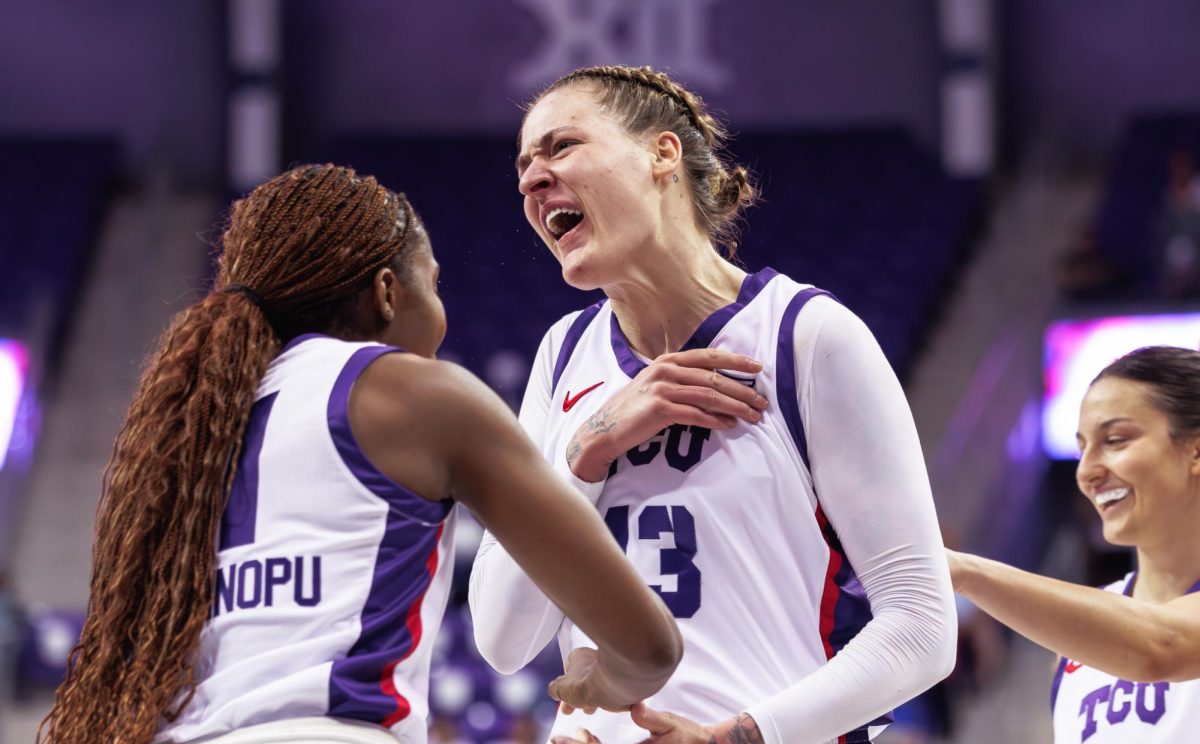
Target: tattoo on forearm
574 450
745 730
601 421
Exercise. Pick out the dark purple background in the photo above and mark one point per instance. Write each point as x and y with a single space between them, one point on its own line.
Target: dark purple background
153 72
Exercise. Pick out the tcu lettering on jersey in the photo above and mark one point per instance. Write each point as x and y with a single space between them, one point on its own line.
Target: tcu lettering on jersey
725 526
1097 708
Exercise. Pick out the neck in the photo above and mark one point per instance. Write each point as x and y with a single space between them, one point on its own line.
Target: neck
1164 575
662 301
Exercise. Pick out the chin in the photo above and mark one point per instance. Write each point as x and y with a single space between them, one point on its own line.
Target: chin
580 275
1119 534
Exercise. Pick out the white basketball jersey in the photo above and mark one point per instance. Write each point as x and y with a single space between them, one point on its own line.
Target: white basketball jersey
724 525
1091 706
332 578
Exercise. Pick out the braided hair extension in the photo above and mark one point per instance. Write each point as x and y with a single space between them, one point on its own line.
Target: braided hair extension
647 100
300 246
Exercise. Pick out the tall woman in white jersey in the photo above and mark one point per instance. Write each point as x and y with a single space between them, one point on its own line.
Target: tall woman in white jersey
273 541
742 434
1128 650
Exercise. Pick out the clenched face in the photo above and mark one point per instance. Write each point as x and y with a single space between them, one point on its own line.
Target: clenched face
589 186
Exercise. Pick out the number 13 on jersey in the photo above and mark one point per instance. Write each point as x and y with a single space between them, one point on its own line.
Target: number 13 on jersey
652 523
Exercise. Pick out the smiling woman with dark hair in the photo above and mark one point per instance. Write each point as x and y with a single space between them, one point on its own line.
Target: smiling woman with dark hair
1126 649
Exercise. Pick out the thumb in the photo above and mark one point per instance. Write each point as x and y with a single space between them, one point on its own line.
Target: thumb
654 721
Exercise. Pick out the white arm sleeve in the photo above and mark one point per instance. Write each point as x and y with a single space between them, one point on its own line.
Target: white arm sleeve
870 478
512 618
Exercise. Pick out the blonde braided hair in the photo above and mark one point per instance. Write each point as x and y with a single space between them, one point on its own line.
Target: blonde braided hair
647 100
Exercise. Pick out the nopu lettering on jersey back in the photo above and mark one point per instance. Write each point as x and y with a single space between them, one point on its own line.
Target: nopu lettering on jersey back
266 583
1114 703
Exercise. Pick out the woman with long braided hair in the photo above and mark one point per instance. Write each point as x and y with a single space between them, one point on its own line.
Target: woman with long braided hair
274 535
742 434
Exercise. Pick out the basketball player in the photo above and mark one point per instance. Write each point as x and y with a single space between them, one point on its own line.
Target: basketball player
781 510
1128 649
304 607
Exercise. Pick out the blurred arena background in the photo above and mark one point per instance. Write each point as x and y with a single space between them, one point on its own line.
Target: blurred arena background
1007 192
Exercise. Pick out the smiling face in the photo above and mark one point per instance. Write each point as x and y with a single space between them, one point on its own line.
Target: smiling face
589 186
1139 478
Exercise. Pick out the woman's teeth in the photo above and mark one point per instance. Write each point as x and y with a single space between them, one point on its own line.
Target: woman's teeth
1111 495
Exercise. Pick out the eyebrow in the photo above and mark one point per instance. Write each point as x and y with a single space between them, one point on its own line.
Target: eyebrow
1105 425
524 159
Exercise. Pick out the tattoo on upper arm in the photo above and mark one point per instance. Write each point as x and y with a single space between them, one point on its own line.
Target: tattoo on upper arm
745 730
574 450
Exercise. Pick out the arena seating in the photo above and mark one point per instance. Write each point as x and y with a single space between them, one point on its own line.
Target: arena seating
1134 190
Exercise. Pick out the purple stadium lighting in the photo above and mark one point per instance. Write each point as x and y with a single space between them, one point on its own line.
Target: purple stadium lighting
1075 351
14 361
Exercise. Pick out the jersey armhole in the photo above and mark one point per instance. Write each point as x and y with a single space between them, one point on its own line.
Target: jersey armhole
361 468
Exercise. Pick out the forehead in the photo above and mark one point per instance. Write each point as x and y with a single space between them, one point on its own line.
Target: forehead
571 106
1114 397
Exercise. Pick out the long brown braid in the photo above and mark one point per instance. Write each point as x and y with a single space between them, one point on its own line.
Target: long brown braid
647 100
295 249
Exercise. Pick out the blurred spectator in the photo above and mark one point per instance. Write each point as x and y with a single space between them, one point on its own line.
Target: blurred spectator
1084 272
1178 228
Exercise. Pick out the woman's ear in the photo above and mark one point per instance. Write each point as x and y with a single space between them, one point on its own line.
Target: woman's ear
1193 452
388 293
668 154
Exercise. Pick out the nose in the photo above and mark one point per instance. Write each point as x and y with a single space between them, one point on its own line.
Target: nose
535 178
1090 472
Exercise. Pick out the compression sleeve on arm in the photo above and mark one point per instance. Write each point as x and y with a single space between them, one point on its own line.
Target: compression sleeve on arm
870 479
512 618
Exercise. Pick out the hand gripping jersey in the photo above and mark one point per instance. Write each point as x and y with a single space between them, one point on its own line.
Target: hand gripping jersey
1091 706
729 529
332 578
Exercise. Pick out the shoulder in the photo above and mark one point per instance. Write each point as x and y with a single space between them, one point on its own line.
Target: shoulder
810 308
825 326
404 382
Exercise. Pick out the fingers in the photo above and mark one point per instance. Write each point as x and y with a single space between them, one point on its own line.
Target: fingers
656 722
713 359
582 655
714 402
721 394
566 688
692 416
719 383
